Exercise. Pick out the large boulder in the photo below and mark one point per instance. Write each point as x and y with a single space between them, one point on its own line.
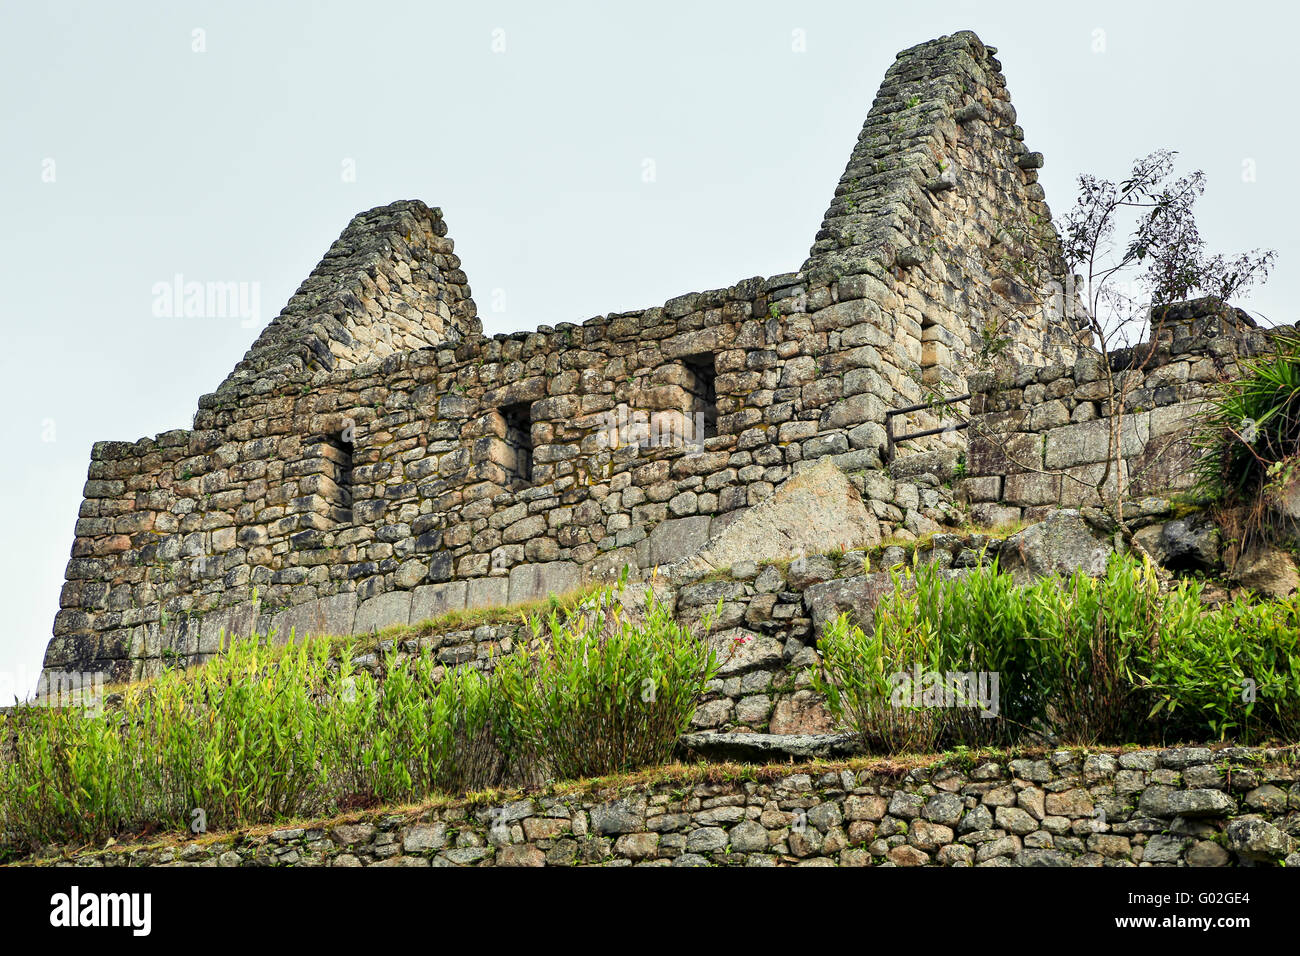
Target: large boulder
1268 571
1191 544
1257 840
1184 544
855 596
811 513
1062 544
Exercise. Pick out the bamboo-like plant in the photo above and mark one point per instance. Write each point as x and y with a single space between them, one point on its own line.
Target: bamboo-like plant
1084 660
264 733
602 692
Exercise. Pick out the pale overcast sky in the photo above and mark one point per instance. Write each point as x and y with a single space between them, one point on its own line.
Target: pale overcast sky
231 142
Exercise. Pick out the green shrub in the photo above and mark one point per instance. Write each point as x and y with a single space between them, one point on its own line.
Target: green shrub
1234 671
238 739
598 693
1249 436
1112 659
1090 638
412 733
983 625
261 733
857 671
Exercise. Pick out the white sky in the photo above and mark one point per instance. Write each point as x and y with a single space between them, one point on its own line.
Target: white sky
227 165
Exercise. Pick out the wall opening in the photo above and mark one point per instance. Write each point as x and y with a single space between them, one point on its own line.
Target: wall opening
703 411
931 347
518 437
329 474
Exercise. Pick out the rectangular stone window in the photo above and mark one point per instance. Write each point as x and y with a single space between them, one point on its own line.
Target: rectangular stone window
327 476
699 384
517 457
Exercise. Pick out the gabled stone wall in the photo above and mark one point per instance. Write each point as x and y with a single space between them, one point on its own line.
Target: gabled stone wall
390 283
364 460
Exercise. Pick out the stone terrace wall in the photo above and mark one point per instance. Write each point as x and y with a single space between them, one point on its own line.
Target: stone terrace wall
1179 807
323 491
390 283
1040 437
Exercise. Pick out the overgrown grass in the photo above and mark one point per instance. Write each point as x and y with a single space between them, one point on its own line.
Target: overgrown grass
596 693
1082 660
1250 441
263 733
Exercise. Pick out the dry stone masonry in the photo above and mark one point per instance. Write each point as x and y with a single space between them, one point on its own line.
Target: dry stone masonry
376 460
389 284
1186 806
1040 437
766 617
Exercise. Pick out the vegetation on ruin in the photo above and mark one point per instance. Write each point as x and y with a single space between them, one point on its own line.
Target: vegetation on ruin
1250 442
1108 271
261 733
1083 660
264 734
675 778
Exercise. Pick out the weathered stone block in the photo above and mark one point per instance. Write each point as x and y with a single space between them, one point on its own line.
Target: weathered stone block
1032 488
1062 544
811 511
856 596
434 600
486 592
1089 442
383 611
531 582
678 538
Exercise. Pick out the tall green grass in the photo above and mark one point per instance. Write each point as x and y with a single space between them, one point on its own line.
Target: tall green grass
600 692
263 733
1113 659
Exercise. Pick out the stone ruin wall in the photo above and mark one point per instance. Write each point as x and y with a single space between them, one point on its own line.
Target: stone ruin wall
389 284
362 465
1184 806
1040 435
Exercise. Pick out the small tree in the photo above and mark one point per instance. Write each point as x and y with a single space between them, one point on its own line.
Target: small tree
1162 261
1123 285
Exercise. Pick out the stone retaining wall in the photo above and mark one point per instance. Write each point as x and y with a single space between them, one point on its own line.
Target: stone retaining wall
1181 807
764 631
765 622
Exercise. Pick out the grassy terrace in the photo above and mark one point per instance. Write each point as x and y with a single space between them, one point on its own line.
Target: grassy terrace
267 733
674 778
